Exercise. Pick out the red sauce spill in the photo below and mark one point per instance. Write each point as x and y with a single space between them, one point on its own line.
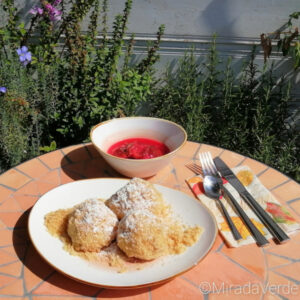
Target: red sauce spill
138 148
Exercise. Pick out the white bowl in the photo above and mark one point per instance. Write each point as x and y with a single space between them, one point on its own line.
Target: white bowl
107 133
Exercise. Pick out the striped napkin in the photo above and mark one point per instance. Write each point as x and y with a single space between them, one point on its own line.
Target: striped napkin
279 213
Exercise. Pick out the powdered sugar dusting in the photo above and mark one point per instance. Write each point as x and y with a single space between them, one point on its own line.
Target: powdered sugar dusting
128 224
94 216
135 195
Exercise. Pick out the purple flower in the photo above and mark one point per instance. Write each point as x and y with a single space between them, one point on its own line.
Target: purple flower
24 55
36 11
54 13
2 89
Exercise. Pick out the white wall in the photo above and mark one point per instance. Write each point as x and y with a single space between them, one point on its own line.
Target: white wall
229 18
238 24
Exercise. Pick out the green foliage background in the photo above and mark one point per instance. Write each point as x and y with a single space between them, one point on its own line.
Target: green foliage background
56 99
246 115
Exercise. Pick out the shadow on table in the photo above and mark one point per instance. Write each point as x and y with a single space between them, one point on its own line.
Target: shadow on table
45 275
85 162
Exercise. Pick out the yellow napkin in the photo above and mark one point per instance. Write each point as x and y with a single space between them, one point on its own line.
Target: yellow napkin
262 195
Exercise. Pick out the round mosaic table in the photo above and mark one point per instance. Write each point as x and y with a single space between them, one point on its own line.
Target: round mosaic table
249 272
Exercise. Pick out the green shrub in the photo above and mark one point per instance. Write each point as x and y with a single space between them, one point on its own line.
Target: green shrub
24 109
72 87
246 115
58 93
181 98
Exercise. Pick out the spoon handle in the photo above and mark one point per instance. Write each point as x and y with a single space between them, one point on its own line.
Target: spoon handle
257 235
237 236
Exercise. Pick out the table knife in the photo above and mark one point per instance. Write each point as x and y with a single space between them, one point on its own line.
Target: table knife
266 219
257 235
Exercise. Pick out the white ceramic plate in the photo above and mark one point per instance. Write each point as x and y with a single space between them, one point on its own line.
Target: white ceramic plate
65 196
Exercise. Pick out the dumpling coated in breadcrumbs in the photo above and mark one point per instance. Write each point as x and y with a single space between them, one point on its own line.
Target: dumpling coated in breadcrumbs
92 226
142 235
137 194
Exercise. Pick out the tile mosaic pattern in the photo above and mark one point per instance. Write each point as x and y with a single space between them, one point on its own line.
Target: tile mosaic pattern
248 272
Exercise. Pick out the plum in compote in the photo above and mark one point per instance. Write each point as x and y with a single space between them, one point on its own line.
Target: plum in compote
138 148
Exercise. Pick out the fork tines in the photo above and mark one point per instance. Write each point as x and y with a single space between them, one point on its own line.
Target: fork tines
194 168
207 163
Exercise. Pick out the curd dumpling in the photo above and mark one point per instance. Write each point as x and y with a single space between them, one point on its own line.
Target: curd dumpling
137 194
142 235
92 226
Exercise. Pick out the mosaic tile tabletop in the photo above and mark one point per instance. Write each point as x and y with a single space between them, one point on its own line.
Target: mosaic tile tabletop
248 272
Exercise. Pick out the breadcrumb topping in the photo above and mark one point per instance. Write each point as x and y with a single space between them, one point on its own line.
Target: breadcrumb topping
148 228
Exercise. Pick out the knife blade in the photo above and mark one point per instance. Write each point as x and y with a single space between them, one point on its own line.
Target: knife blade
266 219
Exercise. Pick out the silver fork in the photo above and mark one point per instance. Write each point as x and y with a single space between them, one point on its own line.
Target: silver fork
215 194
209 168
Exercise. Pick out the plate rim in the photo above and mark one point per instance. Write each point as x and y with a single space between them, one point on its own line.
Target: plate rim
122 286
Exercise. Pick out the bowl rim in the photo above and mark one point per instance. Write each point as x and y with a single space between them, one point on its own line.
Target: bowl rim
144 159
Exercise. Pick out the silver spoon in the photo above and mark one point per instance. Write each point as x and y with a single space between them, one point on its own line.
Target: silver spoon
212 189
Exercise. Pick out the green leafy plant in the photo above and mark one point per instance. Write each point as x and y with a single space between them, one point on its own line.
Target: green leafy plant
246 115
25 108
49 148
180 97
70 87
95 82
57 81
